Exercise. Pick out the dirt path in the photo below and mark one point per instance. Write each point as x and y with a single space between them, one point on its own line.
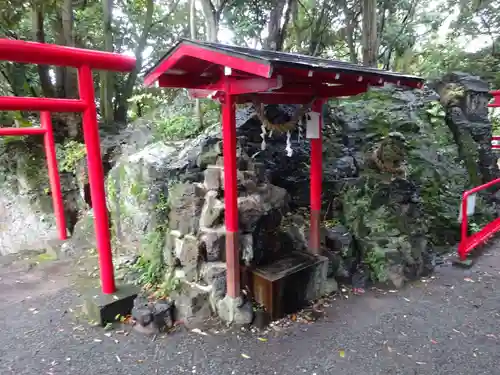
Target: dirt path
448 324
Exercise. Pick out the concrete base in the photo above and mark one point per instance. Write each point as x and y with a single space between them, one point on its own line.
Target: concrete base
235 310
316 286
467 263
104 308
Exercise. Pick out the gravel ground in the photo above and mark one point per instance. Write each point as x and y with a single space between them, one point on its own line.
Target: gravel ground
447 324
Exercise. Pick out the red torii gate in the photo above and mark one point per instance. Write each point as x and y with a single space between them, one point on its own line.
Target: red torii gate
84 61
239 75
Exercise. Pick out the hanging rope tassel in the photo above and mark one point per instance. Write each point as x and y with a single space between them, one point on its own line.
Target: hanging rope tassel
280 128
263 136
288 148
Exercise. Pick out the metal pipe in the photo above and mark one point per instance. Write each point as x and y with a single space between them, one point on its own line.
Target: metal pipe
467 243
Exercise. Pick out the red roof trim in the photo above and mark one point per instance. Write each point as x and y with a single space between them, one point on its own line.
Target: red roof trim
211 58
253 66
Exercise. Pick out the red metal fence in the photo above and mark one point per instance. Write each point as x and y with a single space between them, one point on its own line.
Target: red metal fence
495 142
84 61
468 243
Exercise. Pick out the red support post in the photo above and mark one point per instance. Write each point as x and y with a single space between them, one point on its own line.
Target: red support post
96 179
231 195
54 179
316 176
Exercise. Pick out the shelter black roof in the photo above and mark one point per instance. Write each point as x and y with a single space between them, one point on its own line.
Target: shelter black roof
276 60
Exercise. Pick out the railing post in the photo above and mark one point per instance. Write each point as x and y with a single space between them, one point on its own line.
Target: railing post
96 179
464 227
54 178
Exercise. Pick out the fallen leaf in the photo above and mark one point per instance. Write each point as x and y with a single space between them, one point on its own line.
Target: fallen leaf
118 358
468 279
421 363
342 353
97 340
199 331
293 318
245 355
434 341
262 339
406 299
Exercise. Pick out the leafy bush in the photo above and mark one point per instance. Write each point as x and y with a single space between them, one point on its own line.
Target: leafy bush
69 155
173 113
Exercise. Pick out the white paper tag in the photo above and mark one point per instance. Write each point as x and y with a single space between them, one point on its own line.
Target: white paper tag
313 125
471 206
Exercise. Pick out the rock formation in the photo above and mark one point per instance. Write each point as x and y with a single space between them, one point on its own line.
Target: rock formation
395 164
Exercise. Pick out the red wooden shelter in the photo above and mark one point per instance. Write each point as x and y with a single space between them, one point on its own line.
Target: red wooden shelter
237 75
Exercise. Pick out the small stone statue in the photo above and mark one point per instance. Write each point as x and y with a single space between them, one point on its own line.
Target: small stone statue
390 154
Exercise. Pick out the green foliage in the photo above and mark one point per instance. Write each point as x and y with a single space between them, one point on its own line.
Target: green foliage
177 121
377 262
495 124
150 266
178 127
70 154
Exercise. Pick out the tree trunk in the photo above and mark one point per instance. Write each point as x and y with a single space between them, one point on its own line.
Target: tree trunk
211 15
192 31
107 77
122 108
370 39
274 29
350 30
70 78
39 36
317 31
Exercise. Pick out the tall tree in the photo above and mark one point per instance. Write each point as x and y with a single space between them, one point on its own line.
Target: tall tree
278 22
107 78
212 12
369 36
192 32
